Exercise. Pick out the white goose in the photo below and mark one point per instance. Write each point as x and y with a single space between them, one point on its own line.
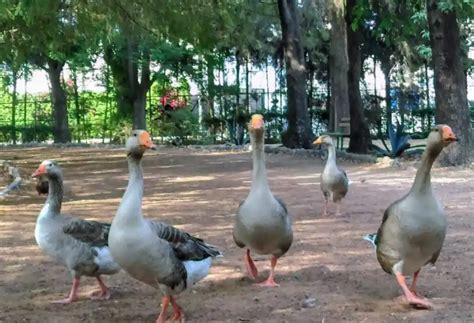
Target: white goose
78 244
150 251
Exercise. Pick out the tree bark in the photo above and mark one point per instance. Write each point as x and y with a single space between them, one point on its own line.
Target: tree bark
14 102
131 88
339 65
298 134
450 83
61 131
360 136
386 69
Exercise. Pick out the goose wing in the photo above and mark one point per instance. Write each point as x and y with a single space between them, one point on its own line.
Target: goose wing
185 246
92 232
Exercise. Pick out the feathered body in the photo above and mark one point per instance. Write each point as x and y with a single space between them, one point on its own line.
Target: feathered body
151 251
414 227
78 244
262 224
334 182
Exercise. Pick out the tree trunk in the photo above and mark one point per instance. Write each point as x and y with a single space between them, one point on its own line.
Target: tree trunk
298 134
428 101
386 69
132 85
237 78
61 131
77 105
14 103
450 83
339 65
360 136
25 96
247 84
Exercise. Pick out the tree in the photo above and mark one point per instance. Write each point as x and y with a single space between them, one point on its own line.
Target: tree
298 134
129 61
359 136
61 130
449 81
338 64
65 31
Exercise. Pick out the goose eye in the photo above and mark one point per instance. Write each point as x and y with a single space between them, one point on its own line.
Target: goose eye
50 165
134 134
436 129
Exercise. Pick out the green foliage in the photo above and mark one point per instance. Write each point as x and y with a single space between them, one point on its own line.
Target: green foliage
177 127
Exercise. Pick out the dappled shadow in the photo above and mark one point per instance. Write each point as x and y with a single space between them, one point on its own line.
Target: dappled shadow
199 192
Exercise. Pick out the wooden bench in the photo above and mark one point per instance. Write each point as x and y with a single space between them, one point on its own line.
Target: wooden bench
343 131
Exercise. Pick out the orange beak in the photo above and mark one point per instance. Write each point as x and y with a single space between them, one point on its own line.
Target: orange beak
40 171
317 141
145 140
448 134
257 121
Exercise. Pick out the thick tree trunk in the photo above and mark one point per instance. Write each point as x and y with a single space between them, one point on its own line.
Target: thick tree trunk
450 83
131 89
60 115
298 134
360 136
339 65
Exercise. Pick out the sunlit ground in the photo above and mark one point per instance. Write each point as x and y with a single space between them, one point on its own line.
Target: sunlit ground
329 274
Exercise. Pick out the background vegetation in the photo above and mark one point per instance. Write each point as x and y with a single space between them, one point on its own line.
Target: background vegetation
145 54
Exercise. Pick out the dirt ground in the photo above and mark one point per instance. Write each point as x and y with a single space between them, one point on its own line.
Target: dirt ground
330 273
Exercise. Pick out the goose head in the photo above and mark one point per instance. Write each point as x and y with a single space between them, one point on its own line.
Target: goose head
324 139
440 136
49 169
257 126
138 142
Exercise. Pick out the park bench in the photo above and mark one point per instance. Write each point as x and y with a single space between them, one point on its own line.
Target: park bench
343 130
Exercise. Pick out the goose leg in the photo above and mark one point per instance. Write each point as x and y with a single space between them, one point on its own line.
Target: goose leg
164 306
411 297
72 294
104 293
178 313
250 265
325 209
338 207
413 283
270 282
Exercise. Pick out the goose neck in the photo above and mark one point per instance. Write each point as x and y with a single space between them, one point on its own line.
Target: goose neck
54 201
259 171
131 205
422 181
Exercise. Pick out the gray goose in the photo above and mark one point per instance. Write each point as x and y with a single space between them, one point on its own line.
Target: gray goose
151 251
78 244
262 224
414 227
334 181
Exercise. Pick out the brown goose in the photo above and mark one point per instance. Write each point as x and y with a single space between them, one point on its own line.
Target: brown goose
334 182
413 228
150 251
262 223
78 244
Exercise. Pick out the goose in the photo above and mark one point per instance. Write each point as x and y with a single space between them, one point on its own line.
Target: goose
334 181
262 224
78 244
150 251
42 185
414 227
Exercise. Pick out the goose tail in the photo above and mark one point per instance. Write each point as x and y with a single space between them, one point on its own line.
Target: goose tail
371 237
